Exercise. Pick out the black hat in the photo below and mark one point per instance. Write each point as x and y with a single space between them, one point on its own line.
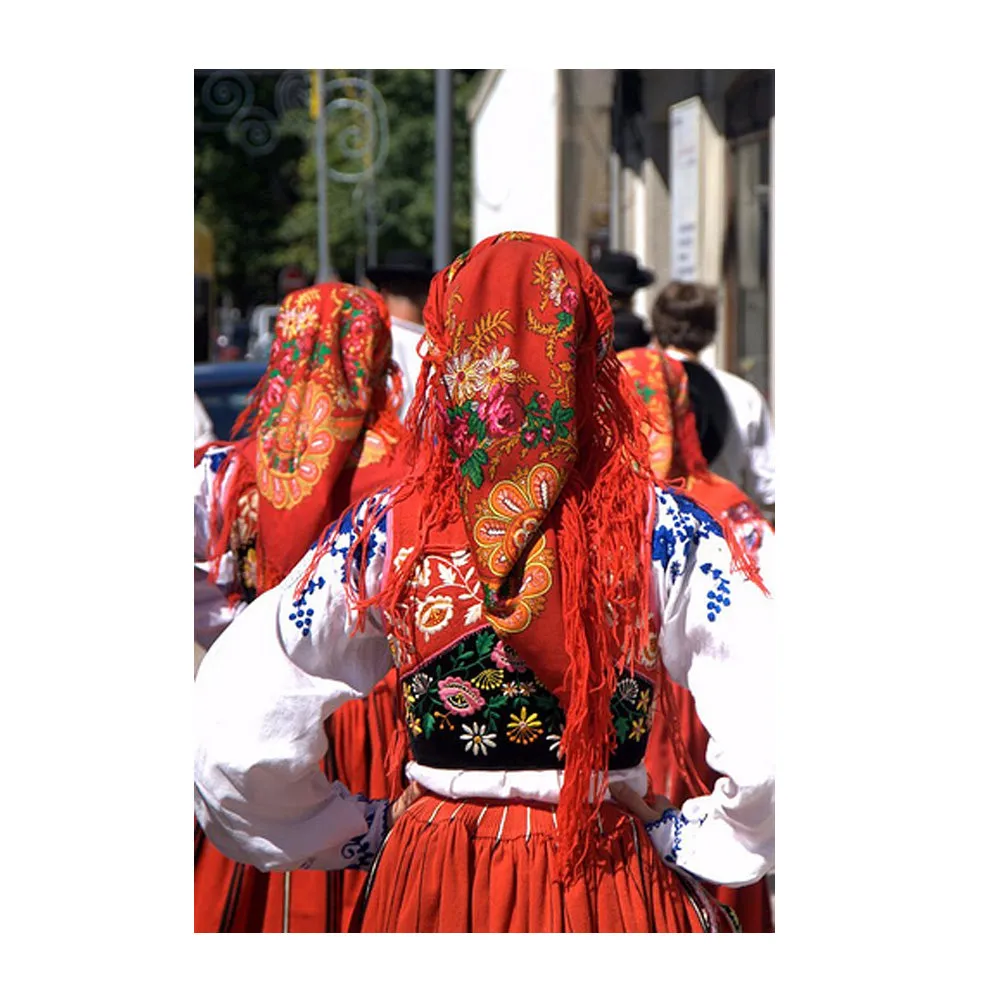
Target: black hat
410 264
621 273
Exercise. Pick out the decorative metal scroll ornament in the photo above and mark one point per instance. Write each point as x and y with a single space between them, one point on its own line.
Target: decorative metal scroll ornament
365 145
362 139
229 93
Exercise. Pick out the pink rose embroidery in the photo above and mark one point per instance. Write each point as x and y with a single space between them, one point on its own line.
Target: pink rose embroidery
274 393
503 411
570 300
462 440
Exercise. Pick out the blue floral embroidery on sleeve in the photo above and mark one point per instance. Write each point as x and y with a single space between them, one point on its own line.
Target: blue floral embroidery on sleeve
663 545
718 598
216 458
673 543
339 538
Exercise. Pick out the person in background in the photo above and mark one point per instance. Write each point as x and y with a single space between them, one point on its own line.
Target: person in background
678 741
403 281
531 584
324 430
734 423
623 277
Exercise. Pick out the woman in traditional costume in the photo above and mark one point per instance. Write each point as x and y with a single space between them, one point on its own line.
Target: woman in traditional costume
324 432
678 741
530 583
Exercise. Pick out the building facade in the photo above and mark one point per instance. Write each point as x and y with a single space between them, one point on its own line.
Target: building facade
675 166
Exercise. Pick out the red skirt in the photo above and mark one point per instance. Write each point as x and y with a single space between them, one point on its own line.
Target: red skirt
752 903
236 898
487 866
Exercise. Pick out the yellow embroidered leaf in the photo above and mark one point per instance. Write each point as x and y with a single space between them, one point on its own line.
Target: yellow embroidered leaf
488 327
535 325
540 269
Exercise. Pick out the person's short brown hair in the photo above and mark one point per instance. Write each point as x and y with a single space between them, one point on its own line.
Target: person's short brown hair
684 316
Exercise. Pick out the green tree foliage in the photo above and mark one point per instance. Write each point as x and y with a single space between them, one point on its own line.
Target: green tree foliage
263 209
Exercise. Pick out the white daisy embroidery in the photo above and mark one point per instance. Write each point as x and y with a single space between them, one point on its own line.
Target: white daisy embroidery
477 739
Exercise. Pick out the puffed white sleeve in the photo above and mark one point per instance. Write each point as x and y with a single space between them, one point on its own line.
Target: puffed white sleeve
760 442
717 640
214 610
262 696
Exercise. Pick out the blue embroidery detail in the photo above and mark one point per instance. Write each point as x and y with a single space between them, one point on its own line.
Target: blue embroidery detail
718 598
689 524
338 539
678 823
360 851
217 458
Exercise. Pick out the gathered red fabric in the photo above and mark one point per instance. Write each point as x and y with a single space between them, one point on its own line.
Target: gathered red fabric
526 428
483 866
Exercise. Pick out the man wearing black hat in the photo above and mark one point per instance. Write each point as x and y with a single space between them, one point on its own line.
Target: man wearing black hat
404 281
623 277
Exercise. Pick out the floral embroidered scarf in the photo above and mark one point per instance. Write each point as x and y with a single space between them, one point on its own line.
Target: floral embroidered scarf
662 384
527 431
322 420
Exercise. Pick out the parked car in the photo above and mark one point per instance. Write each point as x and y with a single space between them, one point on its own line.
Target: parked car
262 323
224 389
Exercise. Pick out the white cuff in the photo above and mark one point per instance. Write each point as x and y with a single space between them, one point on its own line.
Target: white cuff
667 833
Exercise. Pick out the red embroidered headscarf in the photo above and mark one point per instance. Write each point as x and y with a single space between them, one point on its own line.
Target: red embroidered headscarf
324 410
528 430
676 457
662 384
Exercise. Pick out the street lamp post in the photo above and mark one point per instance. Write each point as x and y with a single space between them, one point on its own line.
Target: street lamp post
442 171
323 268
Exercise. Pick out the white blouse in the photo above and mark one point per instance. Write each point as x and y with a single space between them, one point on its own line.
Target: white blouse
213 611
270 681
405 341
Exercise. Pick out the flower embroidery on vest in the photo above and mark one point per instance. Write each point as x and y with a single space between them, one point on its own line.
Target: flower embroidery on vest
478 701
477 739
